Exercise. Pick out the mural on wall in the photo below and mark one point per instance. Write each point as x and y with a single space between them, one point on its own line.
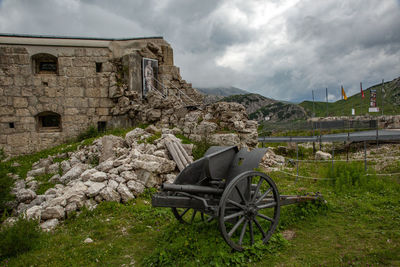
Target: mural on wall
150 71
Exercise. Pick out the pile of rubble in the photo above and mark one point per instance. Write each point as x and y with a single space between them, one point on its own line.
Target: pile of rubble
111 169
127 166
221 123
271 161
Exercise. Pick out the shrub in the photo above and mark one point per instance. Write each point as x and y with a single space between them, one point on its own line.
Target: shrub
349 176
89 133
200 149
2 154
18 238
154 137
6 183
184 139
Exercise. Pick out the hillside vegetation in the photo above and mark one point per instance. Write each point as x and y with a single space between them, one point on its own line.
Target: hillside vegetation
357 226
391 104
259 107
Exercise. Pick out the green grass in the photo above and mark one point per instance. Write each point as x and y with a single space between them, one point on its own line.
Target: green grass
359 226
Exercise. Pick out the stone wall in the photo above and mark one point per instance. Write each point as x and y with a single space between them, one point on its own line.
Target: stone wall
76 92
90 81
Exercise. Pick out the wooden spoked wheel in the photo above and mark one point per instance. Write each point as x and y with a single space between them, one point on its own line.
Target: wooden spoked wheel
249 209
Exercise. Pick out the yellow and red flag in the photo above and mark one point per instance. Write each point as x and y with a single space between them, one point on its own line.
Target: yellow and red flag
344 94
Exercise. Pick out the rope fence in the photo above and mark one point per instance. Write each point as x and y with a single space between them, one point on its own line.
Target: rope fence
297 161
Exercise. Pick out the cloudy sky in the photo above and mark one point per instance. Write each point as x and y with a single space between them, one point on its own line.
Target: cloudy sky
282 49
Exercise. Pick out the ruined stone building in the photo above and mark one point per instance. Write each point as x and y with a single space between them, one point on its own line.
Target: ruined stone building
53 88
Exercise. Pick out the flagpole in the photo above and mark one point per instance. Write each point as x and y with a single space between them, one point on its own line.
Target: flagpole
342 98
382 96
361 100
326 101
313 107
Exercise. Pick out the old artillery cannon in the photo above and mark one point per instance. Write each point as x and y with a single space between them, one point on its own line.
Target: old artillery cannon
224 186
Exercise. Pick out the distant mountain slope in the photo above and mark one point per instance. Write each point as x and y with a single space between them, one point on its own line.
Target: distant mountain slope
252 102
391 104
222 91
261 108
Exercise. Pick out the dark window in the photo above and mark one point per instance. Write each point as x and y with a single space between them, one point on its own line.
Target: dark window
49 121
101 126
45 64
11 124
99 66
45 83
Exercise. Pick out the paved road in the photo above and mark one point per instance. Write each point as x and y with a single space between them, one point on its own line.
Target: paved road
380 135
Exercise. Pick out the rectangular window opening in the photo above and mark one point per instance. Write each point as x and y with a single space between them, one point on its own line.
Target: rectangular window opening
11 125
99 66
50 67
101 126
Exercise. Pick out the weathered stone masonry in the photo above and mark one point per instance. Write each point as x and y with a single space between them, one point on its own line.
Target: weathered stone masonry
51 89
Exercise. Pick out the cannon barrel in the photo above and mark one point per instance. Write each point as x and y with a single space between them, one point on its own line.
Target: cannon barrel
192 189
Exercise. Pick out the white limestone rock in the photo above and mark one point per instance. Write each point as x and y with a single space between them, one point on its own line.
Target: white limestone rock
113 184
90 204
49 225
51 191
33 185
58 201
56 212
94 188
226 139
33 212
154 164
136 134
105 166
85 176
25 195
149 179
320 155
135 187
54 168
98 177
109 145
109 194
65 166
76 194
128 175
37 172
88 240
126 195
71 207
74 173
55 178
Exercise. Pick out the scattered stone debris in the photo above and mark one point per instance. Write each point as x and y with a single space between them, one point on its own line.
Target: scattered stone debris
320 155
271 161
127 167
88 240
289 234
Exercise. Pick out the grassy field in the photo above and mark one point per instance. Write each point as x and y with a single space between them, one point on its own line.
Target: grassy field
343 107
359 225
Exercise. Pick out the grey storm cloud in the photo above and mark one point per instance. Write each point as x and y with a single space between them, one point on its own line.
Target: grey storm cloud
281 49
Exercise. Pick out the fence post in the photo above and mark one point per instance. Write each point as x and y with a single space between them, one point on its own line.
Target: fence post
348 146
297 160
333 155
377 129
365 156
